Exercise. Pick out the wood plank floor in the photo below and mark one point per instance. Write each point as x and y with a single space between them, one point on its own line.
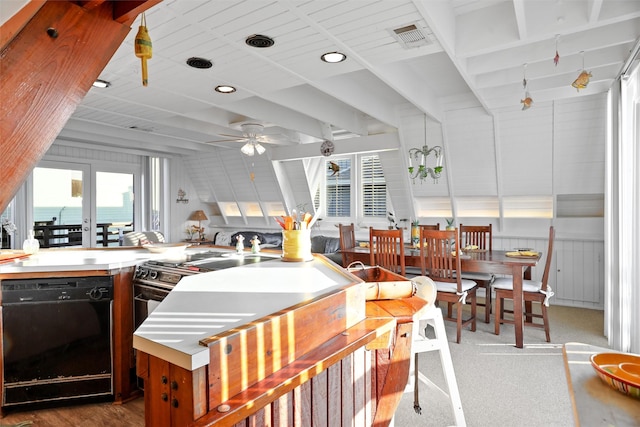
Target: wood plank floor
130 414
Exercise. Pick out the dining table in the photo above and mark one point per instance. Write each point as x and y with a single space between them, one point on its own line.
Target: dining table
475 261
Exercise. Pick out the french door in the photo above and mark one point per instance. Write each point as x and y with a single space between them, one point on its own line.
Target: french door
81 204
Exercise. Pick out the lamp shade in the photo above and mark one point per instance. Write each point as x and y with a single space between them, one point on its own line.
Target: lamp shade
198 216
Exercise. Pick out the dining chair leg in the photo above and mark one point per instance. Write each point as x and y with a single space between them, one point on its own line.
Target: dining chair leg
545 321
528 309
474 313
458 322
487 302
499 313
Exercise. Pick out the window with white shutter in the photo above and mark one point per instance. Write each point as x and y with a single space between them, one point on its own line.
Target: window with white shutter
355 178
338 193
374 187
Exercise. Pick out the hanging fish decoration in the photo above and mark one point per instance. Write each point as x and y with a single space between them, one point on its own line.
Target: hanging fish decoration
527 101
524 83
556 58
143 47
582 81
334 167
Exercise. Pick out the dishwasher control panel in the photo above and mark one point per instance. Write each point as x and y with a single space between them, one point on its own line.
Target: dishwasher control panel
20 291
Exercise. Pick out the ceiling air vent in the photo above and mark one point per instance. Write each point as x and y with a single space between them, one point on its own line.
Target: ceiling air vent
411 36
258 40
201 63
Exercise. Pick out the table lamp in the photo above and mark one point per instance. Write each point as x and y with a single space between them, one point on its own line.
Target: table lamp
199 216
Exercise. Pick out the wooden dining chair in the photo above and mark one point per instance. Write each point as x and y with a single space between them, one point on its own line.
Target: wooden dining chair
532 291
440 264
430 226
482 237
387 249
347 240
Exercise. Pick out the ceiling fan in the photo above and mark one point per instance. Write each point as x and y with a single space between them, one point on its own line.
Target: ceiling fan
253 135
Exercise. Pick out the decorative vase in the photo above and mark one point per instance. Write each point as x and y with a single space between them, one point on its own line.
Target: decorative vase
31 244
296 245
415 235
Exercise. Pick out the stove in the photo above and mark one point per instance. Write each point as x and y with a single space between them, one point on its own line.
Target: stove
166 273
154 279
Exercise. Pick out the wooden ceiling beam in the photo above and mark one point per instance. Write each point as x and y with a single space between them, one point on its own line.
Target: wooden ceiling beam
48 65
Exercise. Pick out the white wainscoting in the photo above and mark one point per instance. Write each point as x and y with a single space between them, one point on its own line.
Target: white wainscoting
577 268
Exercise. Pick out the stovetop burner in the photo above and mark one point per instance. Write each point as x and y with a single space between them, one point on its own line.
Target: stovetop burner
168 272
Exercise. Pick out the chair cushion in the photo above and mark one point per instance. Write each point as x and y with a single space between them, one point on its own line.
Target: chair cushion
453 287
507 283
477 276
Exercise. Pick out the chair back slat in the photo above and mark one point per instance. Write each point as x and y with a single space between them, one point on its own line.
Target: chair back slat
387 249
436 256
547 264
347 240
477 235
430 226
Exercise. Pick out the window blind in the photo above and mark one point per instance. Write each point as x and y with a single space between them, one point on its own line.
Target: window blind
338 187
374 187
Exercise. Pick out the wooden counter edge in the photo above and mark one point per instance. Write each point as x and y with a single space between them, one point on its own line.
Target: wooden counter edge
306 367
567 371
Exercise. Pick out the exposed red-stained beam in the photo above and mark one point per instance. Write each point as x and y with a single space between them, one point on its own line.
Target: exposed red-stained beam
45 77
14 24
126 12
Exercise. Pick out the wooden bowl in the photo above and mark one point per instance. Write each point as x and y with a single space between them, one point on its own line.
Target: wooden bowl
620 370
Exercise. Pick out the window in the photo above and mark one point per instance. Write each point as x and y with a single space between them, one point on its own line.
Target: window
374 187
338 193
344 186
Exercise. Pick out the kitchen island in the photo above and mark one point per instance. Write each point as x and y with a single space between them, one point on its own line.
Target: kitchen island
271 343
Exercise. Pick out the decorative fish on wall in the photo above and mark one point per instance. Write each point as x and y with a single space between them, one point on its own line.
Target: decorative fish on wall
527 101
334 167
582 81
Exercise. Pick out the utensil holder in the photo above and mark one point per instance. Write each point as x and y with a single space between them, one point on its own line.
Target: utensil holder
296 245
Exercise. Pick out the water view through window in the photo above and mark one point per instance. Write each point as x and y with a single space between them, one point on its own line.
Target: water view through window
63 202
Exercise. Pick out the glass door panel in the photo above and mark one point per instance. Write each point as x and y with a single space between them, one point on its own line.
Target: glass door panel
59 212
114 207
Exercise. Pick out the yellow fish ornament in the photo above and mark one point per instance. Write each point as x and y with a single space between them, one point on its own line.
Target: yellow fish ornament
582 81
527 101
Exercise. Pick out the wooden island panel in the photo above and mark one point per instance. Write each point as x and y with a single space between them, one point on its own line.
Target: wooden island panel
243 356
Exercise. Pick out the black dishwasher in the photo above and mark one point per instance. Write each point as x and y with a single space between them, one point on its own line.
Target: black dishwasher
56 339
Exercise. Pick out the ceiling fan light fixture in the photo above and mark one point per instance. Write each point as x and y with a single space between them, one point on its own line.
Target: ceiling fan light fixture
248 149
333 57
259 148
225 89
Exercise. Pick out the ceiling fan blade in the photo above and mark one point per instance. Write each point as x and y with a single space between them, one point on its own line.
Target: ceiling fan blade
232 136
228 140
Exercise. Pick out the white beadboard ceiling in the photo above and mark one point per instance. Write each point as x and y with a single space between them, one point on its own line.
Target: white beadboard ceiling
476 49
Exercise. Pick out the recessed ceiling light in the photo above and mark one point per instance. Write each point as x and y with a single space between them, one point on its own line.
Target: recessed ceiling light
225 89
333 57
101 83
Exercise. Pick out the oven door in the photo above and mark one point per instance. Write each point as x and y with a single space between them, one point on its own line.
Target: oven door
146 299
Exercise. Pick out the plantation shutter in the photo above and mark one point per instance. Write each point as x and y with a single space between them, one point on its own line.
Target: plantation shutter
338 188
374 187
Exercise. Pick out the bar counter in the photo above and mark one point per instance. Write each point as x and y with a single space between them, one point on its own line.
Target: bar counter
274 343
